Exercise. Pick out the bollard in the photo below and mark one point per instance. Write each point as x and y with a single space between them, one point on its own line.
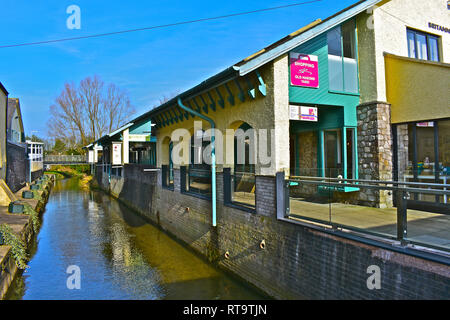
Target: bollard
402 219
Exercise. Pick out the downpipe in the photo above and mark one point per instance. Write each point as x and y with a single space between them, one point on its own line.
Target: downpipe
213 157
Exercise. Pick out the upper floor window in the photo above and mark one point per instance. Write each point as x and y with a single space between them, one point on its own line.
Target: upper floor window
342 60
423 46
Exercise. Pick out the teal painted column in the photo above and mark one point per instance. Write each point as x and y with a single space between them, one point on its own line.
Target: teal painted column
321 154
297 156
344 152
355 152
213 158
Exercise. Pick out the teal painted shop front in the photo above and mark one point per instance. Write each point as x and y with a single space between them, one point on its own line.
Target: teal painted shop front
327 147
142 143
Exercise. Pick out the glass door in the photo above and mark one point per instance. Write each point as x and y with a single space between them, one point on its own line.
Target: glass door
333 155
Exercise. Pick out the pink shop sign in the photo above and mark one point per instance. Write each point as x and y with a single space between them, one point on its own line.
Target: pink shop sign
304 70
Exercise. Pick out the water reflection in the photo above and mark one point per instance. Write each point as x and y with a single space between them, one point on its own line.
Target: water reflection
121 256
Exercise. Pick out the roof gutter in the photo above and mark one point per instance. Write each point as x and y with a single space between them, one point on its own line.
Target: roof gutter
213 158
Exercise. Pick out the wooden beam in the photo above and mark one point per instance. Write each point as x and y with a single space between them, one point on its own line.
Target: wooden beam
241 94
205 105
213 103
167 118
190 107
221 101
161 120
251 88
182 114
175 116
230 95
262 86
197 106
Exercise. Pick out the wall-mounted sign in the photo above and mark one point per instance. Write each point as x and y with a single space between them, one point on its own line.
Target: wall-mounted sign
438 27
304 70
91 156
138 137
425 124
303 113
116 153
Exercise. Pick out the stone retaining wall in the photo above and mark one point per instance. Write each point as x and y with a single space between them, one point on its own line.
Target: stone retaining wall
297 262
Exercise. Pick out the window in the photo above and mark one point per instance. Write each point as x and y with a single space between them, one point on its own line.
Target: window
199 174
243 178
422 45
342 60
423 156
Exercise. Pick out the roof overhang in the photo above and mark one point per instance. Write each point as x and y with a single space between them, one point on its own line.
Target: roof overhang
123 128
214 81
3 89
327 24
110 135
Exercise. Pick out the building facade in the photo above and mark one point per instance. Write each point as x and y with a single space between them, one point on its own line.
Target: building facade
405 76
3 110
324 102
18 165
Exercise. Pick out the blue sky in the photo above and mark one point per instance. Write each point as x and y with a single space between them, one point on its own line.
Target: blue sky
148 64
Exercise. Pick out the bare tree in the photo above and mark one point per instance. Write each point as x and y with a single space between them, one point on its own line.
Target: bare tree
166 97
85 113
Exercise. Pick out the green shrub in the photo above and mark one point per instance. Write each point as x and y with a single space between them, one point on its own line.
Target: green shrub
18 250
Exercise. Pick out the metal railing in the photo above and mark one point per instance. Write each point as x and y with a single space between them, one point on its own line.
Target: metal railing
373 207
62 159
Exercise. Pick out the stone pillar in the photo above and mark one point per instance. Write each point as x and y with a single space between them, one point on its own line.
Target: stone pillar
402 153
176 180
281 117
375 150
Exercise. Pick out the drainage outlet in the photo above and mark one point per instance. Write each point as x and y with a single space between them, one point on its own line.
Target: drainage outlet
262 245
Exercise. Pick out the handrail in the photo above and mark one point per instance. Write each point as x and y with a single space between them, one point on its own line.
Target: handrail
441 185
393 188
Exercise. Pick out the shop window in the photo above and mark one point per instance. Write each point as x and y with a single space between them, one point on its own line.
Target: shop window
243 178
342 59
423 156
244 157
199 175
422 45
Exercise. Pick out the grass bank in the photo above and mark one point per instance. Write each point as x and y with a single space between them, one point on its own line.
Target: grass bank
80 171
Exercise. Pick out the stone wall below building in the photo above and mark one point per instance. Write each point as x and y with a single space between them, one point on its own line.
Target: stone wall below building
297 261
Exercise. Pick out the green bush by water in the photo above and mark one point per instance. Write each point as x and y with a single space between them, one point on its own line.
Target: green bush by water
18 250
